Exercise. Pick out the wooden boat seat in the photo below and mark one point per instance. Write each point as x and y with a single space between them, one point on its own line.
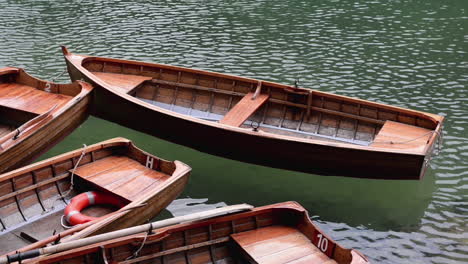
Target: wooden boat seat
279 244
122 176
29 99
244 109
402 135
123 82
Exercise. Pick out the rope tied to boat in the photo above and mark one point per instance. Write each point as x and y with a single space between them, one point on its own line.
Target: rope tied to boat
62 223
409 140
83 153
440 142
53 79
137 252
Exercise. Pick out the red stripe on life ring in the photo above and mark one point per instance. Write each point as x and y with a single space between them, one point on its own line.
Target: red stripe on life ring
73 210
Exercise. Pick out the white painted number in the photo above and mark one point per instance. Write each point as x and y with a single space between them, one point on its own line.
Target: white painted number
322 243
149 162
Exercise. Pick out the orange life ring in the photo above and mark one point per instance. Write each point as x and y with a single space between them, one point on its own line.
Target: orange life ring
73 213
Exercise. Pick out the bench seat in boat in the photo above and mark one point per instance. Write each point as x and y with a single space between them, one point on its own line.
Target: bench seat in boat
279 244
30 99
122 176
123 82
244 109
396 135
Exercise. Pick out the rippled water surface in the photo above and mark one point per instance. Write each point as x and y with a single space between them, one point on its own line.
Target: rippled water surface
406 53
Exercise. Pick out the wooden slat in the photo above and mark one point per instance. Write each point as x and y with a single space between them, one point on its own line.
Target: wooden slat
5 129
244 109
33 187
93 169
30 99
279 244
143 182
273 100
122 176
176 250
396 135
125 82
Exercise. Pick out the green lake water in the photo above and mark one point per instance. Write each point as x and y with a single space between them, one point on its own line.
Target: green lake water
412 54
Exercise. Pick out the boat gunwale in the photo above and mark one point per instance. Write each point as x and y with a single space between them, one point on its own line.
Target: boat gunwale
180 171
85 90
432 117
78 61
162 233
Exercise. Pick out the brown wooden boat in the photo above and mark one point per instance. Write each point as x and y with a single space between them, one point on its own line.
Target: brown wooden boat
36 114
280 233
261 122
33 198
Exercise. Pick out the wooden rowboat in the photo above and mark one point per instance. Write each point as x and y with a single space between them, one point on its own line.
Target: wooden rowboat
33 198
261 122
280 233
36 114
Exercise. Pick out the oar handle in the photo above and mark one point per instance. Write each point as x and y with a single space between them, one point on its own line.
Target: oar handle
124 232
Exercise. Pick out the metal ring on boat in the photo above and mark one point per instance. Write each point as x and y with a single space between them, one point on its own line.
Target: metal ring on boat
73 210
256 126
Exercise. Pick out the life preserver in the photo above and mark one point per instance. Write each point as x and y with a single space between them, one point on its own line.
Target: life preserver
73 213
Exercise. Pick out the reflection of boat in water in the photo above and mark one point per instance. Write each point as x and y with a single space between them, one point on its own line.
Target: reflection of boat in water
33 198
36 114
261 122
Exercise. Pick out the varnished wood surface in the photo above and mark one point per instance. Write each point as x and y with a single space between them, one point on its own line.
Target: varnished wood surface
35 196
316 132
244 109
392 134
280 244
280 233
38 114
29 98
5 129
124 82
122 175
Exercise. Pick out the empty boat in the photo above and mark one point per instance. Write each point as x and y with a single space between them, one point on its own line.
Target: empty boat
35 115
261 122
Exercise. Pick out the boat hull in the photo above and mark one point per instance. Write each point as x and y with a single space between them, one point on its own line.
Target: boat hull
33 197
261 235
248 147
259 147
46 137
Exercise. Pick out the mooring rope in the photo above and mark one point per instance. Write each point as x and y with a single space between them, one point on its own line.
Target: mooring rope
83 153
63 224
409 140
137 252
53 79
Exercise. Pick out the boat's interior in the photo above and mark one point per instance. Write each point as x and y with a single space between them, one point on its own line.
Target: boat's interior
24 98
32 200
270 236
265 106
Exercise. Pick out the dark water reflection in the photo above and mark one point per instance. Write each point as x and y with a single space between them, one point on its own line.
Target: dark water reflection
406 53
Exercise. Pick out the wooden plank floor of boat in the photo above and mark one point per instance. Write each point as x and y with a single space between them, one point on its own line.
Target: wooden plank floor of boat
30 99
124 82
280 244
122 176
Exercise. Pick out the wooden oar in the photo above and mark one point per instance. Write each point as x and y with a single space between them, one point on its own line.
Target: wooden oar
71 231
124 232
